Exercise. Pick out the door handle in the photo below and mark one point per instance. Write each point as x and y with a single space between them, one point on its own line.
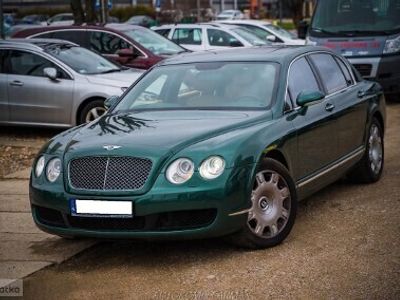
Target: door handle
360 94
16 83
329 107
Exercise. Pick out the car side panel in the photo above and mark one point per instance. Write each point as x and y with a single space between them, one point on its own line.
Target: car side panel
352 119
39 99
4 114
316 139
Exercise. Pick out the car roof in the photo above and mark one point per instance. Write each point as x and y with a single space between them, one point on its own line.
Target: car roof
203 25
279 54
250 22
34 44
113 27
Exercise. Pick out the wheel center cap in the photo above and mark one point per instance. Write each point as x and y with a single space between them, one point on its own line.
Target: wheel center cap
265 204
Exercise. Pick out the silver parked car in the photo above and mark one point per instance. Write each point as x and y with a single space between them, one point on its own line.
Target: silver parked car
56 83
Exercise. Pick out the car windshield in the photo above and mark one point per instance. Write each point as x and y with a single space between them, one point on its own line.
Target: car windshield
249 36
279 31
154 42
211 85
82 60
373 17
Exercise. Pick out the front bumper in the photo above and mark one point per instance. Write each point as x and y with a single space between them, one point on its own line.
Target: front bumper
200 209
384 69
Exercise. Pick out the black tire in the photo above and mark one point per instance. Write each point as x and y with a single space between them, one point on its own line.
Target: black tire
95 104
246 237
363 171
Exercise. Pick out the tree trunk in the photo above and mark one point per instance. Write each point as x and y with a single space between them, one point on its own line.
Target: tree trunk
91 17
296 9
77 10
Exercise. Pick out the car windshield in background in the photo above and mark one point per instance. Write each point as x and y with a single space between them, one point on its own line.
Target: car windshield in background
249 36
280 31
82 60
154 42
374 17
215 85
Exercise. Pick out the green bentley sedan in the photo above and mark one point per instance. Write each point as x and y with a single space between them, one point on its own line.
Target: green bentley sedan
221 143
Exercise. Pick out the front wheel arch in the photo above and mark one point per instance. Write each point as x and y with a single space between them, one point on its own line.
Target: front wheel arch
83 104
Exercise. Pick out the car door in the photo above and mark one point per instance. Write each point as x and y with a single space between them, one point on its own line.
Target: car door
315 124
3 88
219 39
350 109
33 97
189 38
108 44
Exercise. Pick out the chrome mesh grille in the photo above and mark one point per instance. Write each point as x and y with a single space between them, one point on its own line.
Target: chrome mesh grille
109 173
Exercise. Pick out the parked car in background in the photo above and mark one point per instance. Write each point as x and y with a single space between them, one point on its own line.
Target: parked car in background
64 19
129 45
367 33
143 20
56 83
34 19
230 14
266 30
213 144
199 37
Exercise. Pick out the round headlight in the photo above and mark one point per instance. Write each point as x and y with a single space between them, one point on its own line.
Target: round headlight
212 167
39 166
180 171
53 169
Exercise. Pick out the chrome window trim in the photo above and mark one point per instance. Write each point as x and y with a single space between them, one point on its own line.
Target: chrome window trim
295 107
88 29
59 64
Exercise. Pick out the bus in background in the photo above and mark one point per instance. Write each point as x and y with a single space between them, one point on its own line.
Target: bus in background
367 33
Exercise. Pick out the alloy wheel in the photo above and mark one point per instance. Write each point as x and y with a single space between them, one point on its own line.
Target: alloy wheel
375 149
94 113
271 204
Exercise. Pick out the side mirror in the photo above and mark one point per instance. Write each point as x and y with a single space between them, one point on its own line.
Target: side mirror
306 98
50 73
126 53
271 38
111 101
235 44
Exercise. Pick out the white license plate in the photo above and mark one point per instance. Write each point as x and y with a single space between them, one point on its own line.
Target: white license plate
101 207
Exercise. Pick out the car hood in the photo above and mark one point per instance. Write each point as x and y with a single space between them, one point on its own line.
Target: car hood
118 79
155 133
295 42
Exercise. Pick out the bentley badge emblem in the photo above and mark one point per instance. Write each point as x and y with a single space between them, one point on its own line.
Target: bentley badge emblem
111 147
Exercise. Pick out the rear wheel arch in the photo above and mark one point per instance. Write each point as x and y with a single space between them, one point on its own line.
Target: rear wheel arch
378 116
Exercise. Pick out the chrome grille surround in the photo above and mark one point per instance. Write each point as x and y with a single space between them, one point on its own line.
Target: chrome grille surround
108 173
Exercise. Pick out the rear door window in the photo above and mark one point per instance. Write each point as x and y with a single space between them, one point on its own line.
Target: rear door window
163 32
107 43
329 71
301 78
187 36
345 71
221 38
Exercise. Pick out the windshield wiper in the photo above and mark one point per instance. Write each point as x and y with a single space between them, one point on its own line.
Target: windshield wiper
368 32
110 71
324 31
